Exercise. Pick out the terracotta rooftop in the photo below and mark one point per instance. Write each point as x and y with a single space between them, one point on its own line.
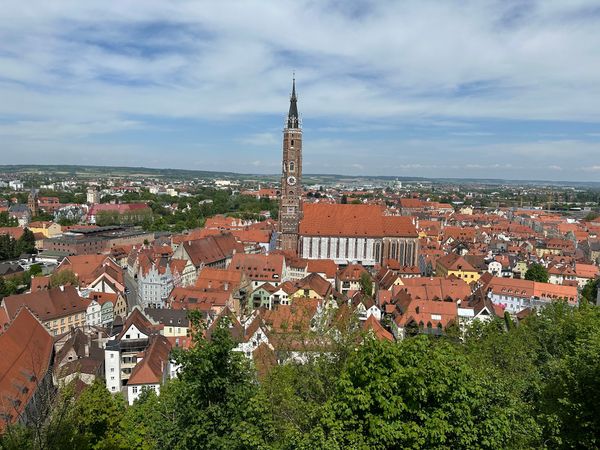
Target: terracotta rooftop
353 220
151 368
48 304
259 267
26 356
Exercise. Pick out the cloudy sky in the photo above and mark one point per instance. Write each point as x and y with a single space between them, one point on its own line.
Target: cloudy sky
507 89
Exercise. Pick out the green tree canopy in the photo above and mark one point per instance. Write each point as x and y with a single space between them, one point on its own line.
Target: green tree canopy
63 278
366 283
537 272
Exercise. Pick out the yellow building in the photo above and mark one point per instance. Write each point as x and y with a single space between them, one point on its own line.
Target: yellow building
520 269
313 286
453 264
48 229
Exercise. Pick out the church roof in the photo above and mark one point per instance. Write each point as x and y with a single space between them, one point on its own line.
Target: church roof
321 219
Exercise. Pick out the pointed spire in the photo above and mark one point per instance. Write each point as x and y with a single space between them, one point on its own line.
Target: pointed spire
293 113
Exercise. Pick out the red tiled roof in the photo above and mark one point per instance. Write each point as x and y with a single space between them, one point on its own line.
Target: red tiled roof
315 282
151 368
352 272
259 267
327 267
453 261
526 288
84 266
424 312
26 354
353 220
291 318
195 298
434 288
372 324
211 278
48 304
39 283
212 249
14 232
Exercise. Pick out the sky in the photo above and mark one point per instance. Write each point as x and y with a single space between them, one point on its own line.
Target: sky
467 89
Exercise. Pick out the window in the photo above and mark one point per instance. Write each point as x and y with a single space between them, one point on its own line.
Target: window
292 143
292 166
112 369
134 389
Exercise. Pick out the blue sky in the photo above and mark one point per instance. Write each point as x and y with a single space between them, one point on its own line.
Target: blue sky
507 89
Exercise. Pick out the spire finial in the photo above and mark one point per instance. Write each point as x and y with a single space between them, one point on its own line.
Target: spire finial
293 113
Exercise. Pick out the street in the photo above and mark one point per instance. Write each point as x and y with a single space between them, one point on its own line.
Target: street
130 290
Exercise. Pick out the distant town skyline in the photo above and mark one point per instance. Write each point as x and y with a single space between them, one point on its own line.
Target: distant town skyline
484 89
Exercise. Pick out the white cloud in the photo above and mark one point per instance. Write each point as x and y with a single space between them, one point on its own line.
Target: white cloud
261 140
88 68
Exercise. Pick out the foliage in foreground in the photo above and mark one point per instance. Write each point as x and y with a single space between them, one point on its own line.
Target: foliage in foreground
533 386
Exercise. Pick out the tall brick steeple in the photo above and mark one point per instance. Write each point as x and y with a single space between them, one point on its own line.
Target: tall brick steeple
290 202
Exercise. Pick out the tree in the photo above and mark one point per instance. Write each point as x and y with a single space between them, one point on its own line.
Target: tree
366 283
35 270
537 272
26 243
97 414
7 221
420 393
589 293
63 278
215 396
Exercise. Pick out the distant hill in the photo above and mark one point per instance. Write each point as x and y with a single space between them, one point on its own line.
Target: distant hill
118 171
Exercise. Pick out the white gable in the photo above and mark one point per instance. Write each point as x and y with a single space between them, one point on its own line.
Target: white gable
134 333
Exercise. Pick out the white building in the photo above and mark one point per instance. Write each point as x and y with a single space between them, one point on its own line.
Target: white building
93 196
16 185
121 352
155 283
153 368
357 233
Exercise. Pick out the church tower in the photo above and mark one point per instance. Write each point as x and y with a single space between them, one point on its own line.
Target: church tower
32 202
290 202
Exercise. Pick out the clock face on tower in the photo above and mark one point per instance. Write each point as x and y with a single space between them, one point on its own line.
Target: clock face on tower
291 180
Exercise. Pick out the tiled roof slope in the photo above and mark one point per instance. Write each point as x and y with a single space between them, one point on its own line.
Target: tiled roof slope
26 355
48 304
353 220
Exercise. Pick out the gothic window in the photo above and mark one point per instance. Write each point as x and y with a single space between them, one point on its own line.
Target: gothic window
292 142
337 248
377 250
291 192
292 168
